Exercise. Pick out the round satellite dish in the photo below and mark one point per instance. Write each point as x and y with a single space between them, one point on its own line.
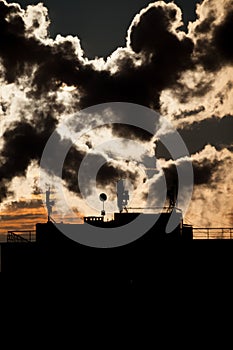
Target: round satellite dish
103 197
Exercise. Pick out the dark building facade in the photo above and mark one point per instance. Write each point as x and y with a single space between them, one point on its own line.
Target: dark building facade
54 251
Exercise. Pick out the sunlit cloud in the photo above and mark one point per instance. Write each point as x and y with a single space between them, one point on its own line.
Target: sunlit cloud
186 77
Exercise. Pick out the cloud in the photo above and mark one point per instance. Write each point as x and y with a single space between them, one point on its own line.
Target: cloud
37 21
212 200
32 204
217 132
23 47
209 81
23 143
154 57
187 77
213 34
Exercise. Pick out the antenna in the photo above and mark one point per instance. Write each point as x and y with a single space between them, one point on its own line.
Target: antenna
103 198
49 204
122 195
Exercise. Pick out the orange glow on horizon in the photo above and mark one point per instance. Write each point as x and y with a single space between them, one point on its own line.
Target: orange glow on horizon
21 218
25 218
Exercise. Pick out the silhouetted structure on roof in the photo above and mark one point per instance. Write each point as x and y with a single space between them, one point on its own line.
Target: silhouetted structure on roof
53 250
122 196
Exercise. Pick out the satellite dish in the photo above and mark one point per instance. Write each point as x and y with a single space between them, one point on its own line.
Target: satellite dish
103 197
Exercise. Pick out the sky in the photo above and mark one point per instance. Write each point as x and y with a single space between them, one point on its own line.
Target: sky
175 58
100 25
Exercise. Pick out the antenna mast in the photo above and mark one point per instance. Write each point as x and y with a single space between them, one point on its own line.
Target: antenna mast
103 198
122 195
49 204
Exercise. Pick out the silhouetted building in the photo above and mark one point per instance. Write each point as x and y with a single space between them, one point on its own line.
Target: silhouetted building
56 252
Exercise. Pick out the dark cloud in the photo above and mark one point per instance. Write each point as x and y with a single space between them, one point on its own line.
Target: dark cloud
164 58
60 66
128 84
23 143
204 170
57 63
21 52
154 60
15 49
32 204
152 35
213 50
161 151
70 169
171 176
190 113
214 47
167 55
4 191
109 175
131 132
205 26
214 131
172 184
222 38
217 132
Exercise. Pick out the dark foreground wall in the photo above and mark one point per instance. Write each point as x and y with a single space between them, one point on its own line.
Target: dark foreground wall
123 265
